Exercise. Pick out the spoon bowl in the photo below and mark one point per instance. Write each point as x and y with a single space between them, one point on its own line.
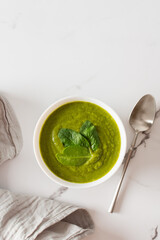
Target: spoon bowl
143 114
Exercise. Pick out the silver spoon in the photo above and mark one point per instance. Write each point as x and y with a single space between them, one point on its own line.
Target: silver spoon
141 119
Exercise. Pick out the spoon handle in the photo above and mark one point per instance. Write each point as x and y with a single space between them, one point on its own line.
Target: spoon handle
111 208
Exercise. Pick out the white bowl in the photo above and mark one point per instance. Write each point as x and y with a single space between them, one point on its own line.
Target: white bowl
39 158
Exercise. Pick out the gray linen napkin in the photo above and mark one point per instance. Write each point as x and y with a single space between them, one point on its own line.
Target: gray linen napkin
30 217
10 132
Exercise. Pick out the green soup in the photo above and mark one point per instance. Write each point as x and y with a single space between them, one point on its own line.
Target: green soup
73 115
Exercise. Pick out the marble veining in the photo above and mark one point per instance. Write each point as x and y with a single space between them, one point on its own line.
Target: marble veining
11 23
58 193
155 233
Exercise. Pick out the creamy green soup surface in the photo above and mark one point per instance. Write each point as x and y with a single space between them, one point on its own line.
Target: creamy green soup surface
73 115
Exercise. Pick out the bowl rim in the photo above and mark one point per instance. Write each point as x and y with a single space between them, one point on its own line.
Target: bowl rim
55 105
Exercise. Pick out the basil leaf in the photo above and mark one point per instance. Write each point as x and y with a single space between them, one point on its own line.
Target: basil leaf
89 131
73 156
70 137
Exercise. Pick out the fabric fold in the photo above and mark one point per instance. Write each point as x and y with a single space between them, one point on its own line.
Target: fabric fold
28 218
10 132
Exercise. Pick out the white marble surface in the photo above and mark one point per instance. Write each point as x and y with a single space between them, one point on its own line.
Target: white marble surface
109 50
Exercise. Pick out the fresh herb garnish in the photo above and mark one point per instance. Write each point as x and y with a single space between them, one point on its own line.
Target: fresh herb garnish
70 137
77 144
89 131
74 156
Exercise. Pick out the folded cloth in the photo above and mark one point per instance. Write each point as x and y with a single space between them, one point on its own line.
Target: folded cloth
10 132
29 217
